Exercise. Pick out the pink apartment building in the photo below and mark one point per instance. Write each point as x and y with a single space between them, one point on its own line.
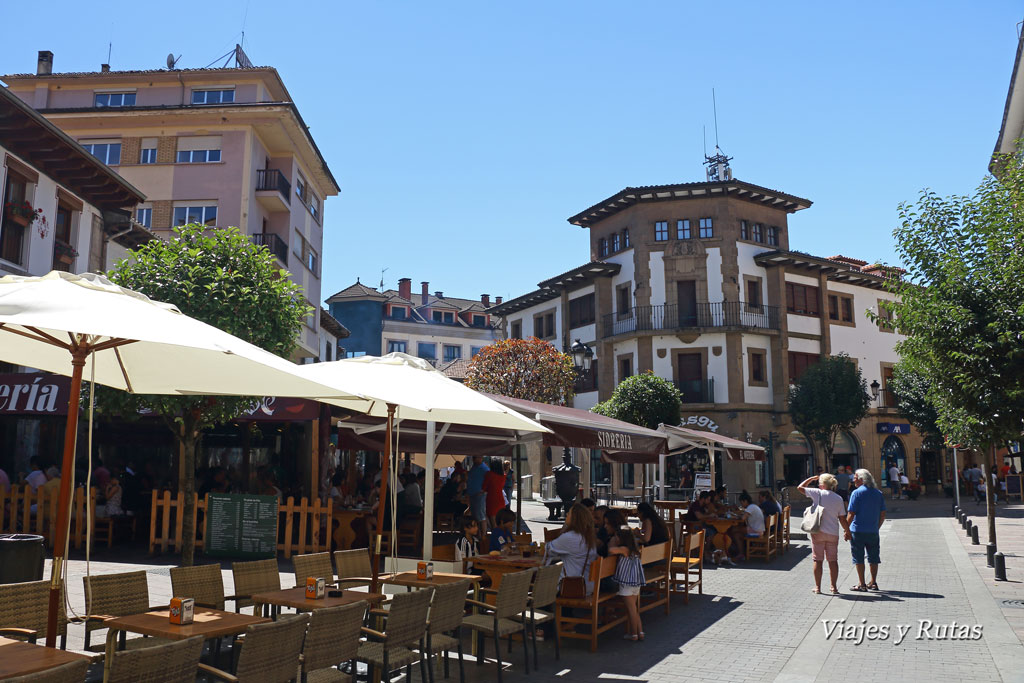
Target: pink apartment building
224 147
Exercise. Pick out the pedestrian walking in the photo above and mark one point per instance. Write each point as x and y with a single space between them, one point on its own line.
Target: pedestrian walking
894 480
842 483
825 542
865 515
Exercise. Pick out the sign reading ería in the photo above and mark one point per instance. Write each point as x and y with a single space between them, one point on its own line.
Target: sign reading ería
34 394
615 441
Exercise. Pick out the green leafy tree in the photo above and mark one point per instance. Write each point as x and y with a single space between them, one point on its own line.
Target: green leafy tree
961 307
911 386
830 397
221 278
645 399
529 369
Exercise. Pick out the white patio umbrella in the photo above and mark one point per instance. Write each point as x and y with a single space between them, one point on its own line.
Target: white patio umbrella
408 388
70 324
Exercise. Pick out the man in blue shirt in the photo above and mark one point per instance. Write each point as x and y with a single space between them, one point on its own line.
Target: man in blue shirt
475 490
866 514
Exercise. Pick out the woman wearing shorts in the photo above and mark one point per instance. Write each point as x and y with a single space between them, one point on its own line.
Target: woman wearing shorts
825 543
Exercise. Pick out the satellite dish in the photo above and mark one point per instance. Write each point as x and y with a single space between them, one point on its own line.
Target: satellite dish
171 61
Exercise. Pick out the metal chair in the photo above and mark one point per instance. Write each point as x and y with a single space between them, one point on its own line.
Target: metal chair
269 652
332 638
175 662
116 595
543 594
254 577
405 628
444 630
354 567
23 611
72 671
497 620
202 583
317 565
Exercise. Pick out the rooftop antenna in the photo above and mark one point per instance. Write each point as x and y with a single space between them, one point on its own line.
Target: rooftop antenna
110 47
718 165
172 60
382 271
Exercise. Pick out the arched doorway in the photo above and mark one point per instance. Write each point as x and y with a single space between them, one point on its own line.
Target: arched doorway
798 457
846 451
892 451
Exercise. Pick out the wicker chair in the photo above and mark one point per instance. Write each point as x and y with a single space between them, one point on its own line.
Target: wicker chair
543 594
354 567
405 628
23 610
269 653
116 595
175 662
332 638
203 583
512 598
72 671
444 630
254 577
317 565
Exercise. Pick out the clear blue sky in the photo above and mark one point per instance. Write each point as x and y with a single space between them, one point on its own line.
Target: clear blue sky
463 134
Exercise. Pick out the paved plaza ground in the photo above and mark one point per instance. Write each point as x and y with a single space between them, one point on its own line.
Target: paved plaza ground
761 622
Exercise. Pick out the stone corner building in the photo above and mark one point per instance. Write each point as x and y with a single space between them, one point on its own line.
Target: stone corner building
698 283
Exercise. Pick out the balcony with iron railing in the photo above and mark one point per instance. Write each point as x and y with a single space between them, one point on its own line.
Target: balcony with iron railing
273 190
696 390
701 315
277 246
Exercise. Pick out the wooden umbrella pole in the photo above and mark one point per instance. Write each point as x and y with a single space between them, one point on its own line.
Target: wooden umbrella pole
382 500
78 356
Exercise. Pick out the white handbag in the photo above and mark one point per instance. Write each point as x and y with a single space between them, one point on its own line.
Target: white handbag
811 523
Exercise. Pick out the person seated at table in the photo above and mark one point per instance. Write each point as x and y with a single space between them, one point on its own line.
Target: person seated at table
451 497
752 526
600 532
576 546
339 490
467 545
412 496
769 506
718 500
589 503
112 491
653 529
501 536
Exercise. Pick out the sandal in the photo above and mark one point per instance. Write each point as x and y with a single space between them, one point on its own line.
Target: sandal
835 591
641 635
872 586
816 591
859 588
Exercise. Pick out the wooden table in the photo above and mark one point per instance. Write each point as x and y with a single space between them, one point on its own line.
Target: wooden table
497 566
18 658
672 506
296 599
411 580
344 535
722 525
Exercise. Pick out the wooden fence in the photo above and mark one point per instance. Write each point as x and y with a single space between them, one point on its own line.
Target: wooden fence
18 517
301 527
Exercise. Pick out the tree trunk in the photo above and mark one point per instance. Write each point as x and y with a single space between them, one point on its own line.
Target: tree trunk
990 493
189 441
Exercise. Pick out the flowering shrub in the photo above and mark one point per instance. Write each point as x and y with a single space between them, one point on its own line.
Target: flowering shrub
528 369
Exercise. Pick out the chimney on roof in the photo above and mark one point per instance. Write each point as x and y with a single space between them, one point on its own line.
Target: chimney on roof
405 288
44 64
485 299
425 292
104 68
439 294
497 300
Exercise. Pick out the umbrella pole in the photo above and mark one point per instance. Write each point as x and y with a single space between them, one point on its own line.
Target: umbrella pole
517 450
78 357
428 494
382 500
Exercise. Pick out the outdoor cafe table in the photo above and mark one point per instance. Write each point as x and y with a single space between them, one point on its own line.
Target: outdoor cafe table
496 566
672 506
722 526
296 599
345 535
411 580
18 658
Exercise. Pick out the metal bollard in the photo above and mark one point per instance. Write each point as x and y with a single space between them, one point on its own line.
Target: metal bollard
961 517
967 529
990 552
974 535
956 510
1000 562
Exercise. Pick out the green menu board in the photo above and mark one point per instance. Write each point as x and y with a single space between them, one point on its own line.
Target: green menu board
241 525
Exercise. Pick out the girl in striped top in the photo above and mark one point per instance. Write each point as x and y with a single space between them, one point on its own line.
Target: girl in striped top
629 574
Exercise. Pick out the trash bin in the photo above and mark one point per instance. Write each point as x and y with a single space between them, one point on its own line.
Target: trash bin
21 557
